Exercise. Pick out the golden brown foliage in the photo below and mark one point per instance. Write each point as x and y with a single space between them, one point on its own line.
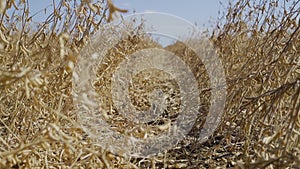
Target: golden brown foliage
258 43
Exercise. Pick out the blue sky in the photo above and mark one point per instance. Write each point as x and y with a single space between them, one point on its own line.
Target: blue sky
195 11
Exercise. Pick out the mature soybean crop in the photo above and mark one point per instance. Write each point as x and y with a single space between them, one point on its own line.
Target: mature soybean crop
258 43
